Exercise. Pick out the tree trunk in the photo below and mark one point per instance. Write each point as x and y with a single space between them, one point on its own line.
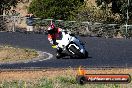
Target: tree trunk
1 11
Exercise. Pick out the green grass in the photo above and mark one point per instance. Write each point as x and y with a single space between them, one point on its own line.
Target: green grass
58 82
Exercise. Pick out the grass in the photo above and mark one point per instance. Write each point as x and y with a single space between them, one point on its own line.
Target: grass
58 82
55 79
11 54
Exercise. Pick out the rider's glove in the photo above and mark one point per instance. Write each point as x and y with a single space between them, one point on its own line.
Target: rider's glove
54 46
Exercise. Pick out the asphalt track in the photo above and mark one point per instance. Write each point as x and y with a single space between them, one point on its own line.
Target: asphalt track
102 52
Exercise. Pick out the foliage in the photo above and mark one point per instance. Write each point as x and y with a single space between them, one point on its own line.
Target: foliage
63 9
117 6
91 13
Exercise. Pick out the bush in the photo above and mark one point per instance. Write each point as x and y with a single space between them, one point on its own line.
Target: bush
92 13
63 9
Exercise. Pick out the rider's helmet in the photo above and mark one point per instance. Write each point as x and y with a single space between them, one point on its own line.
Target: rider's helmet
51 29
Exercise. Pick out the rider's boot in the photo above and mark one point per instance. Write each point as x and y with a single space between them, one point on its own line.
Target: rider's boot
59 53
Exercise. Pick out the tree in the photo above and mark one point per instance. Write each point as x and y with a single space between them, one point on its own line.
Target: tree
118 6
6 5
58 9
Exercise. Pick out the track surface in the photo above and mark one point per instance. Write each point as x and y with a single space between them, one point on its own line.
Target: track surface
102 52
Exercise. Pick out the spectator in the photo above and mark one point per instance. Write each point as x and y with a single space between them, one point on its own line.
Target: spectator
29 22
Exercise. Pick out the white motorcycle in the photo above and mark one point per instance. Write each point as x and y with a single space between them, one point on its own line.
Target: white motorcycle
70 46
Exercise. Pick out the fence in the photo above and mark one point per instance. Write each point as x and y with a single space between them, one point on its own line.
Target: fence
8 23
17 23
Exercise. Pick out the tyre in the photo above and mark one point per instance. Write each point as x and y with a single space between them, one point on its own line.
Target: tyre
77 53
86 54
58 56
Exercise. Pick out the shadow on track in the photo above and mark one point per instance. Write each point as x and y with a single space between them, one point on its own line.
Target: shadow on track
68 57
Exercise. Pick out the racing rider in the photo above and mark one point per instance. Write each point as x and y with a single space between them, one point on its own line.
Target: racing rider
55 33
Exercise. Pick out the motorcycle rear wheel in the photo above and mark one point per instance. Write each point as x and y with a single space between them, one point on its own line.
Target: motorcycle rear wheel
77 53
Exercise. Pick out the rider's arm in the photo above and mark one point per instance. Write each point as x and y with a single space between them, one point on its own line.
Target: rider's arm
50 38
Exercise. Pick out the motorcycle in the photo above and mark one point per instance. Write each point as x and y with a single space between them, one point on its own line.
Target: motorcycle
70 46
